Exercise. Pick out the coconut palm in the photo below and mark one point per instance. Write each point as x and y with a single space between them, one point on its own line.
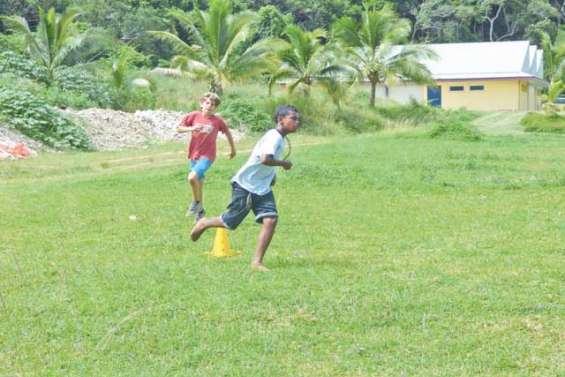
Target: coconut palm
557 83
373 47
217 37
554 70
306 60
55 38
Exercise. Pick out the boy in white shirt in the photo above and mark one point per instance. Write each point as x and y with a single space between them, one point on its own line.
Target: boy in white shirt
251 186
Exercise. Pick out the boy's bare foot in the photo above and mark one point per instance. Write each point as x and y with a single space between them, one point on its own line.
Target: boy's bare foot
198 229
259 267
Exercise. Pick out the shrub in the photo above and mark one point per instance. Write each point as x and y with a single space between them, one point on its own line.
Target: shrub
67 99
360 120
134 98
12 42
244 114
413 112
11 62
455 131
77 82
417 113
72 87
539 122
34 118
314 115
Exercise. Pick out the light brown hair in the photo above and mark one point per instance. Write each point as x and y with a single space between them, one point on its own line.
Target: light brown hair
213 97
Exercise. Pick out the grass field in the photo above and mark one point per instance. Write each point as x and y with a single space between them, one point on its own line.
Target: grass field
395 255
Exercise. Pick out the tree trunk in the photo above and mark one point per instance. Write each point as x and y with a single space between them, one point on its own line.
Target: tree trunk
373 93
216 87
491 21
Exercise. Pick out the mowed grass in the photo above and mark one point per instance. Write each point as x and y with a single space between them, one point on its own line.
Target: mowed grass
395 255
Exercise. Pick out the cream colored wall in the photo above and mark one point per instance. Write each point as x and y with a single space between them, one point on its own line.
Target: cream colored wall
524 100
402 92
532 98
497 95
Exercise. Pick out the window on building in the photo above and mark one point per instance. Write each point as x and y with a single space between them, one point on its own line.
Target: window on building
477 87
456 88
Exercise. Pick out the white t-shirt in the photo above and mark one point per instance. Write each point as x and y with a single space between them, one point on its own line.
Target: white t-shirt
254 176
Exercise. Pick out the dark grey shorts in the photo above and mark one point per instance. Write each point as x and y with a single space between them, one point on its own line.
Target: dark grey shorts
243 201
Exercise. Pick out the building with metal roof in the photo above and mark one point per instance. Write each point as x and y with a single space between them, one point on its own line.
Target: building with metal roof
479 76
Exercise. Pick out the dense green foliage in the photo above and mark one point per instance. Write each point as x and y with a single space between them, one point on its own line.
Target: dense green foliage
434 20
244 114
233 44
31 116
536 122
455 131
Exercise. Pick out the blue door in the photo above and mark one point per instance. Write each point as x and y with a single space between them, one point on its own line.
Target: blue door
434 96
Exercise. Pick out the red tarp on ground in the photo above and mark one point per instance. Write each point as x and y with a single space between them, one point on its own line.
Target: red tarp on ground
18 150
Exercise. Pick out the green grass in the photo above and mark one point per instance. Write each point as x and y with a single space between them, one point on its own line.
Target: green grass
395 255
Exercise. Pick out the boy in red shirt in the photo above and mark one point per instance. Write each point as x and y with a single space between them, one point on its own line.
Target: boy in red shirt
204 125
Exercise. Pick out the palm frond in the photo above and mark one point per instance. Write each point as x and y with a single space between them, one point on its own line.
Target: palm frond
71 44
345 31
178 44
257 58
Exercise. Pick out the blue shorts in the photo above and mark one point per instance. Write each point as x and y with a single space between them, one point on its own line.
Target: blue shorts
243 201
200 167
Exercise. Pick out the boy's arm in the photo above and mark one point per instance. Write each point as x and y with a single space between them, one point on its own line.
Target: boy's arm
269 160
182 127
230 140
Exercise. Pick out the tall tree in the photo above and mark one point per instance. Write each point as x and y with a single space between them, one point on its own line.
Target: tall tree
306 60
374 49
215 37
56 36
444 21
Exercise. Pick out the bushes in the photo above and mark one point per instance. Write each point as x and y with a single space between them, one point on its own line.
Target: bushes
11 62
540 122
360 120
34 118
80 89
245 114
134 98
419 114
455 131
72 87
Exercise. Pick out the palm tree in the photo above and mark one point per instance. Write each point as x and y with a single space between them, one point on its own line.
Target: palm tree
306 60
55 38
554 69
557 84
217 35
374 52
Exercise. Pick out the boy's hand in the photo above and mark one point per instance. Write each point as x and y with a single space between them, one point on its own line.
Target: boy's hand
287 165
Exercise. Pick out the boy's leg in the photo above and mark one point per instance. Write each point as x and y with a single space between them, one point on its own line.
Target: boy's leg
265 237
265 209
203 224
230 219
196 180
196 185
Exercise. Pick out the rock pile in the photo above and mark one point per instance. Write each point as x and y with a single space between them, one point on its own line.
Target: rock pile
111 129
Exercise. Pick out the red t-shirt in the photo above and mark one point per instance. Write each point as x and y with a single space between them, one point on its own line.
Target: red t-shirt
203 142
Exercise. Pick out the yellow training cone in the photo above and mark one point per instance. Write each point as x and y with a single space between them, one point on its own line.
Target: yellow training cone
222 245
